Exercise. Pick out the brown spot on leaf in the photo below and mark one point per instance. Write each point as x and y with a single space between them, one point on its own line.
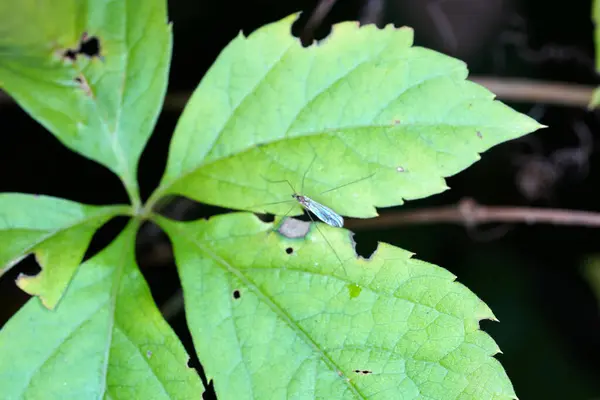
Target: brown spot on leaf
83 84
479 135
396 121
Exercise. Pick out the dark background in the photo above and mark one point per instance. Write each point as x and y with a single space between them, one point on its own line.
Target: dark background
530 275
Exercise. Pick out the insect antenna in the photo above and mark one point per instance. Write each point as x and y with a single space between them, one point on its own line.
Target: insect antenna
306 172
350 183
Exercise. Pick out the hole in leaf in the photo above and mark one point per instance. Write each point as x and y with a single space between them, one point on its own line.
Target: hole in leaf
266 217
289 250
89 46
479 135
363 371
209 393
236 294
365 247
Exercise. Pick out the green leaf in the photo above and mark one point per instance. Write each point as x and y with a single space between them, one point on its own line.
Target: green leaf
363 102
103 107
276 318
57 231
105 340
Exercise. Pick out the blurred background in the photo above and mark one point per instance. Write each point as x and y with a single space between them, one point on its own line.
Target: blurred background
531 275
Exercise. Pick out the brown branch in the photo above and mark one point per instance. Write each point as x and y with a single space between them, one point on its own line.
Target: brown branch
469 213
506 89
530 91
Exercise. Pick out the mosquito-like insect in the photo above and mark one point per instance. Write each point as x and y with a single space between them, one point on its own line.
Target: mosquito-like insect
323 213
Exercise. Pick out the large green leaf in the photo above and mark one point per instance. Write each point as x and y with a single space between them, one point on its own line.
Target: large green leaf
57 231
103 107
279 318
364 102
106 339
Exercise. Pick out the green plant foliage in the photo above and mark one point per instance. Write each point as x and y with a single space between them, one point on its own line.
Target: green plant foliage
106 339
276 317
364 113
365 102
57 231
102 106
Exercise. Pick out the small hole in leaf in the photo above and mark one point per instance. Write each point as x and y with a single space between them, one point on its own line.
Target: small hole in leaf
148 354
70 54
289 250
266 217
364 246
236 294
209 393
88 46
400 169
363 371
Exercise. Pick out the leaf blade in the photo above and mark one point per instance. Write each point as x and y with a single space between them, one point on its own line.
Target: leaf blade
364 102
57 231
107 339
391 327
105 106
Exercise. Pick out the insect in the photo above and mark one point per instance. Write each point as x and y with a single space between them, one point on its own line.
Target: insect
323 213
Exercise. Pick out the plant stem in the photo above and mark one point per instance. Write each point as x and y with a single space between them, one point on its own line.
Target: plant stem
469 213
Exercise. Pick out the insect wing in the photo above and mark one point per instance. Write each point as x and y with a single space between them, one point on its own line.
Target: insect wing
325 214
